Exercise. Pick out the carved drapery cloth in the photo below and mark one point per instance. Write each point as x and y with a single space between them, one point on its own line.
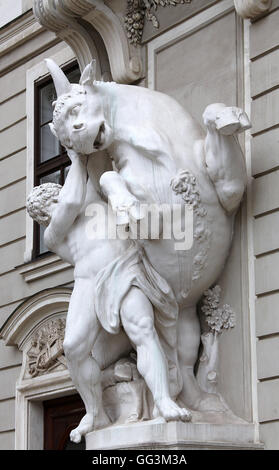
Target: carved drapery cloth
112 284
139 10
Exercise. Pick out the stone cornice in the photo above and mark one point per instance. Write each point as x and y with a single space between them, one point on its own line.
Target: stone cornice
18 32
75 21
42 267
252 8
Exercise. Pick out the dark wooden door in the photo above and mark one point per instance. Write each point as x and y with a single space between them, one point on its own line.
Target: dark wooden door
61 415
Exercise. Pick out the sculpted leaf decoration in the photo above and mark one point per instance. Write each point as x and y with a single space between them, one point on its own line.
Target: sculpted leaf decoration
218 318
139 10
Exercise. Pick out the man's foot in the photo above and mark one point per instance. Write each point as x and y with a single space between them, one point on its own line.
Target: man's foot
171 411
86 425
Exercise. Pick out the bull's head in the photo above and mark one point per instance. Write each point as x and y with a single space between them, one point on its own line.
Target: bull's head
79 119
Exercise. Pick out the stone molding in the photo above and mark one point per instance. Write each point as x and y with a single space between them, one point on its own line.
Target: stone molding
32 313
252 8
72 21
19 32
29 413
173 435
42 267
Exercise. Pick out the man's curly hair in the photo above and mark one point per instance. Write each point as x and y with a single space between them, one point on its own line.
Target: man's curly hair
39 199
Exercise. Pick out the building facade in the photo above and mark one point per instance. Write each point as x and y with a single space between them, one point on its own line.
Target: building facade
199 52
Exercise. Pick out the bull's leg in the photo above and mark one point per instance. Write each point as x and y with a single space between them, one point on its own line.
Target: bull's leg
188 347
223 156
121 200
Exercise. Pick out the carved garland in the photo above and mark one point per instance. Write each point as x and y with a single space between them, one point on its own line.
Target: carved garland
218 318
252 8
139 10
185 184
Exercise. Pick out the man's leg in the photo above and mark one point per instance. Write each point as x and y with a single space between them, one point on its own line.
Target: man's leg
82 327
138 322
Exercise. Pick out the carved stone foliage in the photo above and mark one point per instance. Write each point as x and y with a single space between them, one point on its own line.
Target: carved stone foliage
252 8
139 10
46 351
218 320
185 184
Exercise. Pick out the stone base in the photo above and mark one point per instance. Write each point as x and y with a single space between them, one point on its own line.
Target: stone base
153 435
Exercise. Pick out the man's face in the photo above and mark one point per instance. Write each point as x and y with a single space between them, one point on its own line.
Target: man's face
82 125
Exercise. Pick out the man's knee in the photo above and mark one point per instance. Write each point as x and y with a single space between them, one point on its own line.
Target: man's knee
74 349
139 330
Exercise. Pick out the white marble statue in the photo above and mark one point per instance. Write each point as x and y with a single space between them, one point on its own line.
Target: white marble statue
162 156
132 297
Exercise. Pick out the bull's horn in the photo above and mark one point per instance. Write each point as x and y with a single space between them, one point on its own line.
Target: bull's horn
61 83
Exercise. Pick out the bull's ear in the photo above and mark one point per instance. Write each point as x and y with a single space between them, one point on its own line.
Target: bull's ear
51 126
89 74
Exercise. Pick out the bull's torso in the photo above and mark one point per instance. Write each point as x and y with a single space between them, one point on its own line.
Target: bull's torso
153 142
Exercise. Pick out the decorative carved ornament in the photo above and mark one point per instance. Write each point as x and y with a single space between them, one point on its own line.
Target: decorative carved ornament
34 312
46 350
185 184
72 21
139 10
252 8
218 319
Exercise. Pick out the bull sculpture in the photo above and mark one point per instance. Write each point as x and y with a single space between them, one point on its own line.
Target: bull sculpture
160 156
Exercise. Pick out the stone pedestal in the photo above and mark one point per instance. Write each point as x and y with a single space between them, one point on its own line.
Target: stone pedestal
155 435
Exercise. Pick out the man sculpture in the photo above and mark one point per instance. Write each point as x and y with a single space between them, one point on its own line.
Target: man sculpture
161 156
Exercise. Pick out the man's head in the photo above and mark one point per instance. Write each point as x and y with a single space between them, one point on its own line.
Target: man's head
41 200
79 120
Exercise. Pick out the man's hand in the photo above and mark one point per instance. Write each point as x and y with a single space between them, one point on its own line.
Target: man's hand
73 156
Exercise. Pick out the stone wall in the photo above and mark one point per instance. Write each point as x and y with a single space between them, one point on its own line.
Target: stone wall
23 45
264 54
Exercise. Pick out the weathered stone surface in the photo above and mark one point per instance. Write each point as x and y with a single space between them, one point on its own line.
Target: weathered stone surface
173 435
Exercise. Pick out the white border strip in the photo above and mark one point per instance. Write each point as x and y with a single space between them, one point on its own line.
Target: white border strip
250 235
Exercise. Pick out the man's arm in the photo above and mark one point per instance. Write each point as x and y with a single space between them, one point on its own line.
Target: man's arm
71 199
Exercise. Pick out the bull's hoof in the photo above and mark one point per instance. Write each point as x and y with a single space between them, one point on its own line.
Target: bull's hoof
231 121
227 120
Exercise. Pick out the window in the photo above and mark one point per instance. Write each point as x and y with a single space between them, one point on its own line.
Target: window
51 160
